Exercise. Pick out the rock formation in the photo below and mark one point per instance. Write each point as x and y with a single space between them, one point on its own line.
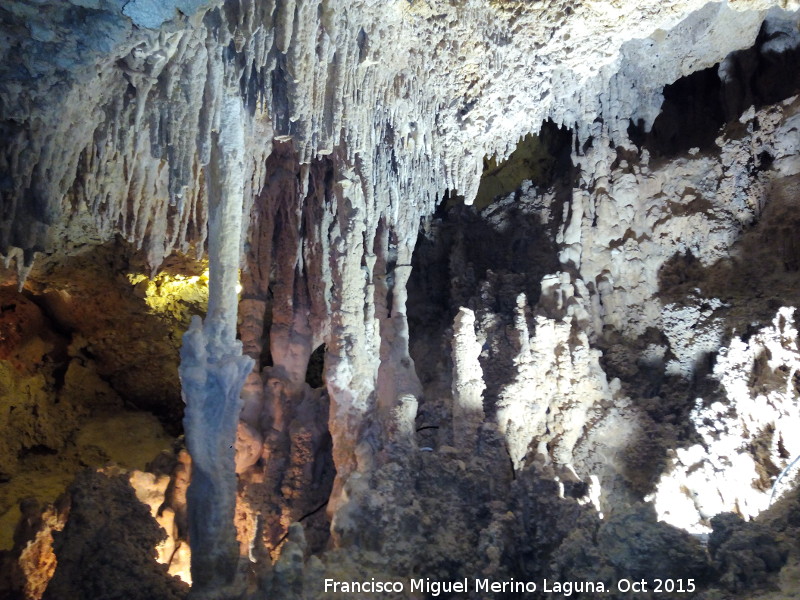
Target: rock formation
513 390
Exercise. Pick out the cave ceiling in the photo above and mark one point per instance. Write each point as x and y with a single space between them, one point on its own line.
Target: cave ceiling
109 107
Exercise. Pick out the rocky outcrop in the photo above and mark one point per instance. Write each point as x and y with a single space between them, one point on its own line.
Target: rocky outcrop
108 545
74 346
744 552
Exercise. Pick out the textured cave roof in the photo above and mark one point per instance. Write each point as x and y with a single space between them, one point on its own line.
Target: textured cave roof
109 108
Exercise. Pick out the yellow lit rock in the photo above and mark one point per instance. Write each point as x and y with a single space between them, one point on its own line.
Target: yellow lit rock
173 295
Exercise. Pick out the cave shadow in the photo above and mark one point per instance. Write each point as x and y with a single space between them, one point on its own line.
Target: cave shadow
482 258
691 116
698 105
760 275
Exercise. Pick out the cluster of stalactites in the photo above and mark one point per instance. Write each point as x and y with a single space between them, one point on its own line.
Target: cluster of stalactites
413 94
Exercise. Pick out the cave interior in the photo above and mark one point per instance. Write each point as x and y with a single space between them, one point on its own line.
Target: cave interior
466 299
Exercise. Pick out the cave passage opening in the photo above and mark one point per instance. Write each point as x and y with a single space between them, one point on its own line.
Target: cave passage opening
543 158
698 105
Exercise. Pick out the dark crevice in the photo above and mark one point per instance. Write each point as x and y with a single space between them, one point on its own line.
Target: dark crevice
698 105
316 368
36 450
691 116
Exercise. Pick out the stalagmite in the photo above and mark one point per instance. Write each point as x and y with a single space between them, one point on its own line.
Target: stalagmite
213 369
468 382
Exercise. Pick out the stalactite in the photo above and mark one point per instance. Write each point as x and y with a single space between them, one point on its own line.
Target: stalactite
326 78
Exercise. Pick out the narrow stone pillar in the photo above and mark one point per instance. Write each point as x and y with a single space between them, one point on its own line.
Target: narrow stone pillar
468 384
213 370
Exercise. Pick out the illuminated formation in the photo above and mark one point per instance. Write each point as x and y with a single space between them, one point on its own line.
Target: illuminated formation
213 369
391 385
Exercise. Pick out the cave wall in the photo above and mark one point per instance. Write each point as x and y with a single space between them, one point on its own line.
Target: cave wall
141 105
634 345
75 344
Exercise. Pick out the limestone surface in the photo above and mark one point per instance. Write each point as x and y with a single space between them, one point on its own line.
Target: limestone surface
502 389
